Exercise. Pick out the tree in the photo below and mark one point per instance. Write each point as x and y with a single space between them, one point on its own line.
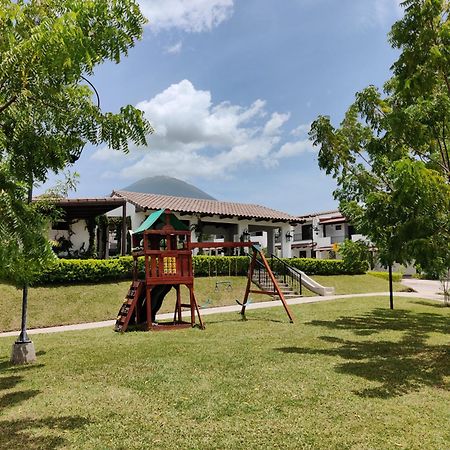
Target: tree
47 111
390 155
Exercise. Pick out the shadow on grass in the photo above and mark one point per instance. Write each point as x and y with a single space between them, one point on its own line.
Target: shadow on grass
36 434
25 432
399 366
238 318
433 304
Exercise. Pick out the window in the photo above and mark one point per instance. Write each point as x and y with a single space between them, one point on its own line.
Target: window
338 227
307 232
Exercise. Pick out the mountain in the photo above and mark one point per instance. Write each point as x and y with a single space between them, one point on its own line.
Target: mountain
167 186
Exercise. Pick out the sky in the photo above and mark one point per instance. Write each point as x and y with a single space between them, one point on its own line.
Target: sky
231 88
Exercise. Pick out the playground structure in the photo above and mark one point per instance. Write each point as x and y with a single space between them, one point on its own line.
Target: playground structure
165 244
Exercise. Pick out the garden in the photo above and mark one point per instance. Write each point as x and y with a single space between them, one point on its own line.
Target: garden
347 374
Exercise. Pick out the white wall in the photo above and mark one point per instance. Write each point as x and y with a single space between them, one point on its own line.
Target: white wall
80 235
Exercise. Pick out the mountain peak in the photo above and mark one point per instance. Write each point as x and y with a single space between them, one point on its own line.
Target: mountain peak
164 185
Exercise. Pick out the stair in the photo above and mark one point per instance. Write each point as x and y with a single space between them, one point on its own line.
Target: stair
286 290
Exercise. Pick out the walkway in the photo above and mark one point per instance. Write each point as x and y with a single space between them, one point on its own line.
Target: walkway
424 293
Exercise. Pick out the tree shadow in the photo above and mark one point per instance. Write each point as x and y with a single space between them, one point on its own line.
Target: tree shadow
28 433
239 319
433 304
25 432
400 366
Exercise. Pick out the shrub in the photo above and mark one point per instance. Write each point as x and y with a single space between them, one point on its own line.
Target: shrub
87 270
356 255
96 270
396 276
312 266
205 266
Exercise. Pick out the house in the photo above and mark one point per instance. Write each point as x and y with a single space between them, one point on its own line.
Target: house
213 219
316 233
77 228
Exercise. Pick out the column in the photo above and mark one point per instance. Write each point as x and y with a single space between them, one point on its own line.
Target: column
286 250
271 242
193 222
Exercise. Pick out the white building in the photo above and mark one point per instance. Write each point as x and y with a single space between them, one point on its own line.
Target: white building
214 220
316 233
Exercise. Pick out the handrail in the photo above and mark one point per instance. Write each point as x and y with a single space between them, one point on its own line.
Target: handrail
291 275
261 277
292 268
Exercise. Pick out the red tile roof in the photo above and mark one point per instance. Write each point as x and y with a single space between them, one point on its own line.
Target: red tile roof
206 207
320 213
336 219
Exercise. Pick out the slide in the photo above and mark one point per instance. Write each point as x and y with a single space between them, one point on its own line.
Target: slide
314 286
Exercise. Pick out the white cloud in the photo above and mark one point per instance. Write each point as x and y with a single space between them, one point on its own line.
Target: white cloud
275 123
301 130
175 48
187 15
195 137
290 149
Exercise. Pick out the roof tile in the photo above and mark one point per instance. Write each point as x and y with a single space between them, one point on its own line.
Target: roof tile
200 206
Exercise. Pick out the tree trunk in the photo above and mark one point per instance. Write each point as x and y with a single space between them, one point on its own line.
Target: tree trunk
391 292
23 337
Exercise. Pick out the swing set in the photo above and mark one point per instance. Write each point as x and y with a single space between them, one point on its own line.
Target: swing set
164 242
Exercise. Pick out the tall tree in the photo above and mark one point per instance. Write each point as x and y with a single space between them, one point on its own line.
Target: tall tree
49 110
390 154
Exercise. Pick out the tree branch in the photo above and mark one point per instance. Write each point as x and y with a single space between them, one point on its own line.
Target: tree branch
8 103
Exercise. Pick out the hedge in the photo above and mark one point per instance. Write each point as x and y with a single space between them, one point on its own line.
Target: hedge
396 276
65 271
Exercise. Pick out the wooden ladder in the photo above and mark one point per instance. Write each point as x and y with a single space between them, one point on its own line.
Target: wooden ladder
129 306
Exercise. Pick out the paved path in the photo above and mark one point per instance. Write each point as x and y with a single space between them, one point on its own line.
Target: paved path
234 308
426 287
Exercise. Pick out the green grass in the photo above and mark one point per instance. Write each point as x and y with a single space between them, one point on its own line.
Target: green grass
348 374
62 305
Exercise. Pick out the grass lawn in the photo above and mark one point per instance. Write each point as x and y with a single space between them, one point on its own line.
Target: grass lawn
61 305
347 374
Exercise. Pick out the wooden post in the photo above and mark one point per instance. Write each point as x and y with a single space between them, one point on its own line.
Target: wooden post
277 288
148 296
249 282
192 300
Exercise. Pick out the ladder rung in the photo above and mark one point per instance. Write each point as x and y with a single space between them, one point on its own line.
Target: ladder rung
185 305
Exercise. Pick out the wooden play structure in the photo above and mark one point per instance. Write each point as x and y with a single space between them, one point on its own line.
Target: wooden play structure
165 244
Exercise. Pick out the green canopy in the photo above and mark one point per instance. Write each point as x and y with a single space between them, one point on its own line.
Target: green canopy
160 216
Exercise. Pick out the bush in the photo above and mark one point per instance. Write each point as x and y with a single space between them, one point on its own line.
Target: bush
356 255
87 270
396 276
66 271
205 266
312 266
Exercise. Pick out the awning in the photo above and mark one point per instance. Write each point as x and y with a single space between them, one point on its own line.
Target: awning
160 216
85 208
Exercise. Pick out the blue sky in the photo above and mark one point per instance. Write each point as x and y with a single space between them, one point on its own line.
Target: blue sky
231 87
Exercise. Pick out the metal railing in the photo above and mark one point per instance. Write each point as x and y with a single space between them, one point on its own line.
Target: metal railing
262 278
290 275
